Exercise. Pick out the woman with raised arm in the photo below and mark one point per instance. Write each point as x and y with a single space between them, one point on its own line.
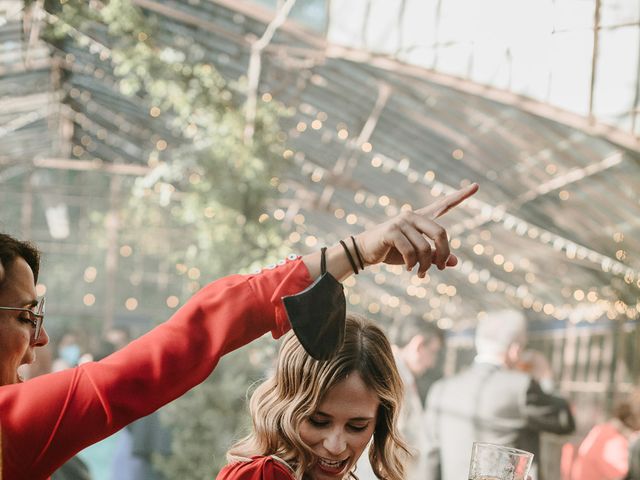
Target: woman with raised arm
46 420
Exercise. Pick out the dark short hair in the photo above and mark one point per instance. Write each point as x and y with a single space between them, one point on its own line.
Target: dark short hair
12 248
407 328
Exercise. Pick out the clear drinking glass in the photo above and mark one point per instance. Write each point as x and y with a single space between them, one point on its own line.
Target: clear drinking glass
495 462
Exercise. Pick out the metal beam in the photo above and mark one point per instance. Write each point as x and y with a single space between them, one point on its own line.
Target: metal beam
92 165
525 104
255 67
594 57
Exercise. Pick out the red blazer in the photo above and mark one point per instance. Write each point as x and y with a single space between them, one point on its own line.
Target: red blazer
48 419
259 468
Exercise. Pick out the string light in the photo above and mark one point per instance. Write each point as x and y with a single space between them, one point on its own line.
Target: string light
90 274
522 228
496 213
131 304
172 301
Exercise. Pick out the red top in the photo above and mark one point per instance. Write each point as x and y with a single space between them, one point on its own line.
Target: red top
259 468
47 420
602 455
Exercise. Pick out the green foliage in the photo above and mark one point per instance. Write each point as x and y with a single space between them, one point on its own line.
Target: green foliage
208 192
207 420
212 182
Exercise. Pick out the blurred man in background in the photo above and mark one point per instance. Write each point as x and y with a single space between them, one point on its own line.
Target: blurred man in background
416 347
493 401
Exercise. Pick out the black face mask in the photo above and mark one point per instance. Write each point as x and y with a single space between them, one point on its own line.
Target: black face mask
317 315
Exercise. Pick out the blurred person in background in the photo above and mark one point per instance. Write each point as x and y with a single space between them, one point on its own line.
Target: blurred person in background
492 401
136 446
101 456
48 419
69 352
604 452
74 469
118 337
132 448
416 347
536 364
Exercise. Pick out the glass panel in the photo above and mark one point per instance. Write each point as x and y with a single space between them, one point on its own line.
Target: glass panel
310 13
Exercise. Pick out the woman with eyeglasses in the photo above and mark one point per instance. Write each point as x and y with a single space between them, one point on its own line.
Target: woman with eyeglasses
46 420
19 338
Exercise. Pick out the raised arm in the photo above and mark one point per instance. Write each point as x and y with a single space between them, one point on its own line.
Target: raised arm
405 239
48 419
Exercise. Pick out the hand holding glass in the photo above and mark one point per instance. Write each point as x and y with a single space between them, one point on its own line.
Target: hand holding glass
495 462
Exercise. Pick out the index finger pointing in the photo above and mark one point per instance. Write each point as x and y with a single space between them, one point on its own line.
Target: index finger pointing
450 201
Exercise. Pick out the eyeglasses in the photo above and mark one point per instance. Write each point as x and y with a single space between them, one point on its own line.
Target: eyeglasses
36 316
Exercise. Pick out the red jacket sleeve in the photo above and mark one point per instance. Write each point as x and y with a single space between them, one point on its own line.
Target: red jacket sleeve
259 468
48 419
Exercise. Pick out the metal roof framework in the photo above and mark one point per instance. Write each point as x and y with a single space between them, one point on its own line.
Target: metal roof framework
554 228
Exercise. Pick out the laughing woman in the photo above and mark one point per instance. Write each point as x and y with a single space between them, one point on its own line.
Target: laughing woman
313 419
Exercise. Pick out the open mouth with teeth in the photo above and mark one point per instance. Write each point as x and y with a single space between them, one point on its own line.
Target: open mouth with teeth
333 467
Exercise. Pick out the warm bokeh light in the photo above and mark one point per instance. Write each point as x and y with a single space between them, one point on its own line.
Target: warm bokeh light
131 303
172 301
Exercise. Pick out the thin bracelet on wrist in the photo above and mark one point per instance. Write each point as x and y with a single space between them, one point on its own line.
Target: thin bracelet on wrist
349 257
355 248
323 260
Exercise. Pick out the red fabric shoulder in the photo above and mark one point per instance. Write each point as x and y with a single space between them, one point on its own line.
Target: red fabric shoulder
259 468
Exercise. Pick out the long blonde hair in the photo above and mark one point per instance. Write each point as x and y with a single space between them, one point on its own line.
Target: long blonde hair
281 403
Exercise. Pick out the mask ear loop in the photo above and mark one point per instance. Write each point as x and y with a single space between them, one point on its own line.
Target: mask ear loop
323 260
